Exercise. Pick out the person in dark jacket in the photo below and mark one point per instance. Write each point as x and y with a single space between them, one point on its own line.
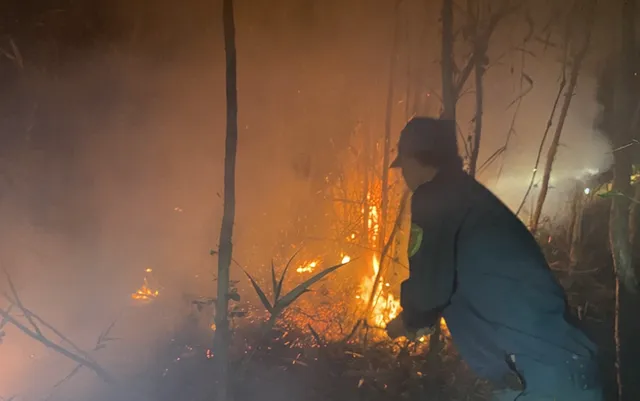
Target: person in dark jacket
474 263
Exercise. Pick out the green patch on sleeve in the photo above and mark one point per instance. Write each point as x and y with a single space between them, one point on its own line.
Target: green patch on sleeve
415 239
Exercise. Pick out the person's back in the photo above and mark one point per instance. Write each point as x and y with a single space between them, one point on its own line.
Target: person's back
480 268
506 290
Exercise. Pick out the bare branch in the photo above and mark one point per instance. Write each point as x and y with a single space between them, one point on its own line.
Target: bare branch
97 369
554 108
482 42
18 302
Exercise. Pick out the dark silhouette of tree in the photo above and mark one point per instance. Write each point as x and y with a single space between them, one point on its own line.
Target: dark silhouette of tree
221 339
618 95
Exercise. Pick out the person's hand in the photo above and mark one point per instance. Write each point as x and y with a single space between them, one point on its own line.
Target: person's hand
396 329
425 331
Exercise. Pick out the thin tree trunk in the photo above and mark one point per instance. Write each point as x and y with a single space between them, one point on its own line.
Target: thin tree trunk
555 142
366 191
383 245
563 83
622 168
449 101
477 136
409 108
448 85
221 338
634 218
575 229
386 155
627 297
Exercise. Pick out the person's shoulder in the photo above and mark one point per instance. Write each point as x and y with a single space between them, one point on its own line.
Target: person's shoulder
446 195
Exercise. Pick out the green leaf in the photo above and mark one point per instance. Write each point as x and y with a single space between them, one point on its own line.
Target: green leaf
284 273
261 294
304 287
610 194
274 282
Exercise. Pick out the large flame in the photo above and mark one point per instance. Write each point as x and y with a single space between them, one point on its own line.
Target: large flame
386 307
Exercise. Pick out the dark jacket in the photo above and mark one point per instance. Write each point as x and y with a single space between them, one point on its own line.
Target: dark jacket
481 269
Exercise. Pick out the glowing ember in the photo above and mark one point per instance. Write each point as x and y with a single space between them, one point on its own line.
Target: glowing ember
307 267
145 292
386 306
345 259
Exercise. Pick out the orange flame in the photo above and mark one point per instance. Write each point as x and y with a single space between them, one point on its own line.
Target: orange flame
145 292
386 307
307 267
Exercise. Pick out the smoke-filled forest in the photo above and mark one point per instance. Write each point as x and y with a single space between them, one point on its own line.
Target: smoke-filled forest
196 199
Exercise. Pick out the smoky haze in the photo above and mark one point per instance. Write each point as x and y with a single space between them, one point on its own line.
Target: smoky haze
112 154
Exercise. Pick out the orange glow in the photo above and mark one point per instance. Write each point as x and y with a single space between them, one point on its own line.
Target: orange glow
307 267
145 292
386 307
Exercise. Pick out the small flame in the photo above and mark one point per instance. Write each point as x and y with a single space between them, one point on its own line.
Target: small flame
346 259
145 292
307 267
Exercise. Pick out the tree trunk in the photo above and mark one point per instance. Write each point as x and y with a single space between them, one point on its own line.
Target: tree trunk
575 229
221 338
386 155
383 244
634 218
555 142
627 297
479 57
449 101
448 85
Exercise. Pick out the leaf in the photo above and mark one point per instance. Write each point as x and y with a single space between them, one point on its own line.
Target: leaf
261 294
610 194
274 282
213 252
238 313
304 287
234 296
284 273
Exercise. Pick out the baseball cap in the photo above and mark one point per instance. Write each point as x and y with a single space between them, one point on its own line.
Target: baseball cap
426 134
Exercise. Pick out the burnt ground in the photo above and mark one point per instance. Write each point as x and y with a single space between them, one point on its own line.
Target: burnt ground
289 365
278 371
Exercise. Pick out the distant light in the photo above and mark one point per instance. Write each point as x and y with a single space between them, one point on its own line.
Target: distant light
587 191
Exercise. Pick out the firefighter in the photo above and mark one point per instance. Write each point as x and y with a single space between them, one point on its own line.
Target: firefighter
475 264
